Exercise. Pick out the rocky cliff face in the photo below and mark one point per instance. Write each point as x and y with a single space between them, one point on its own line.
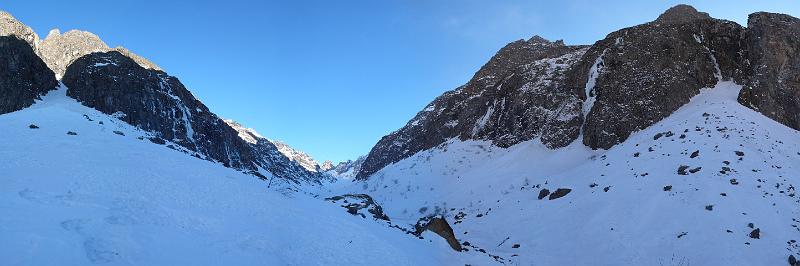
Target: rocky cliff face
289 158
154 101
60 50
640 75
773 88
520 94
601 94
300 157
23 75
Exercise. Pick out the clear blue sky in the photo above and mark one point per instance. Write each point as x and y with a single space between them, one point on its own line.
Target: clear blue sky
332 77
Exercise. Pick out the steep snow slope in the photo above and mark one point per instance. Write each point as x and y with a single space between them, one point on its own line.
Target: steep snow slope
103 196
628 205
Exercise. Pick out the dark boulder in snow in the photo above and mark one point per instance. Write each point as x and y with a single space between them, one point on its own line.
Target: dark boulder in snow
543 193
559 193
24 77
438 225
755 234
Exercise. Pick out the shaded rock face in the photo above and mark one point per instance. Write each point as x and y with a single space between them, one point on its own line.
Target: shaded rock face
280 162
637 76
154 101
520 94
438 225
773 88
624 83
24 77
60 50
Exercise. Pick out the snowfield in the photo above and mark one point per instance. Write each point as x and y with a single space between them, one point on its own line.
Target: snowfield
104 196
690 190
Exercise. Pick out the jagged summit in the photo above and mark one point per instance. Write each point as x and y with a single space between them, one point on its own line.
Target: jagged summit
9 25
60 50
681 13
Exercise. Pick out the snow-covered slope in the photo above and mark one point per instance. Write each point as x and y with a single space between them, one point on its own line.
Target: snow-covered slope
631 205
104 194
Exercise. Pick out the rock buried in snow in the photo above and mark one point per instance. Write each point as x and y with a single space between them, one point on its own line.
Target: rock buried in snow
32 126
543 193
559 193
119 133
355 203
71 133
755 234
438 225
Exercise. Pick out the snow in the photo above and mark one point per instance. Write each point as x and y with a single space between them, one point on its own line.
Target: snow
481 122
103 198
594 72
636 222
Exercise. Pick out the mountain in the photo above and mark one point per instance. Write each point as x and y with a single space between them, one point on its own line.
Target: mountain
639 149
715 183
298 156
119 83
60 50
108 196
603 93
269 148
345 170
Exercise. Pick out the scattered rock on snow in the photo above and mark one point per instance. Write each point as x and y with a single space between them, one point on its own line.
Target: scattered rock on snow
559 193
543 193
32 126
755 234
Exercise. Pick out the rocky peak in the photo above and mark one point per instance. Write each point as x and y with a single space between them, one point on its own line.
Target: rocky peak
60 50
327 165
300 157
11 26
681 14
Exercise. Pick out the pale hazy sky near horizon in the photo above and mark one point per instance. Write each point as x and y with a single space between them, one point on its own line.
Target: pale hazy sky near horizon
332 77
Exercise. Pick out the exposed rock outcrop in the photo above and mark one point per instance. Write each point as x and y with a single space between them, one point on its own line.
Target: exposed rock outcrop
154 101
438 225
638 76
24 77
520 94
773 88
60 50
532 89
11 26
356 204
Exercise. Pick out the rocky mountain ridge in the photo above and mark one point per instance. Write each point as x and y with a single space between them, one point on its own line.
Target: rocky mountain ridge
603 93
123 85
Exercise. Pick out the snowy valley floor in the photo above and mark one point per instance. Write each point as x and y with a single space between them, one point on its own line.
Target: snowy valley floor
628 205
106 197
